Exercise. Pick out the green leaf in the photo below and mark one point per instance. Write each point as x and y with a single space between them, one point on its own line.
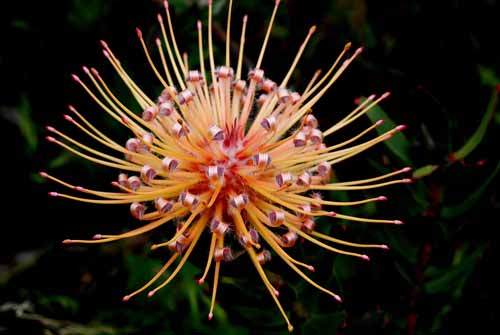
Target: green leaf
324 323
453 211
26 125
141 270
344 268
398 144
85 13
424 171
488 76
478 135
61 159
404 274
454 276
20 24
181 6
400 244
59 302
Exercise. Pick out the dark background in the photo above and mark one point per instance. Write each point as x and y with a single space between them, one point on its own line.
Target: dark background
438 58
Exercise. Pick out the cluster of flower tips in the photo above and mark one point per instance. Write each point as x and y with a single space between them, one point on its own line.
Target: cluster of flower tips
241 158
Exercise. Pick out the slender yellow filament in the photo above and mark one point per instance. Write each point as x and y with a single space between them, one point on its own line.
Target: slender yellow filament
228 33
174 41
270 235
173 62
150 61
241 229
164 62
94 129
268 285
155 278
242 47
315 77
297 57
135 232
364 181
321 244
128 166
268 33
210 43
195 236
350 244
185 225
276 247
213 241
215 194
363 187
354 218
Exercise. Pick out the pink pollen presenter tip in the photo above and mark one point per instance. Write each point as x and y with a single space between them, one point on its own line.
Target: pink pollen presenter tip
97 237
160 18
406 169
276 293
139 32
71 108
401 127
382 198
75 77
79 188
104 44
85 69
200 281
50 138
385 247
365 257
198 24
43 174
126 298
53 194
398 222
245 19
66 241
151 293
386 94
339 299
407 181
332 214
49 128
371 97
68 118
379 123
311 268
210 316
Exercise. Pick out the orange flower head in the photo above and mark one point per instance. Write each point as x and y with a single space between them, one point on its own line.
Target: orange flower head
239 157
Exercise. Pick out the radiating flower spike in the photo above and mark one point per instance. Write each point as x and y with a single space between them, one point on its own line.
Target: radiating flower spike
236 154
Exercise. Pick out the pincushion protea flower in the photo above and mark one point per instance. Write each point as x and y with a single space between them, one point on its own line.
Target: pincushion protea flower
241 159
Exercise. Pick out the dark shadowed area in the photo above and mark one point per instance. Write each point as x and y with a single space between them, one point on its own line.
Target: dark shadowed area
439 60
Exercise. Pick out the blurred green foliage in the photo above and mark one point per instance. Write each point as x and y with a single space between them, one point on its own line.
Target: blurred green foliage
438 59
